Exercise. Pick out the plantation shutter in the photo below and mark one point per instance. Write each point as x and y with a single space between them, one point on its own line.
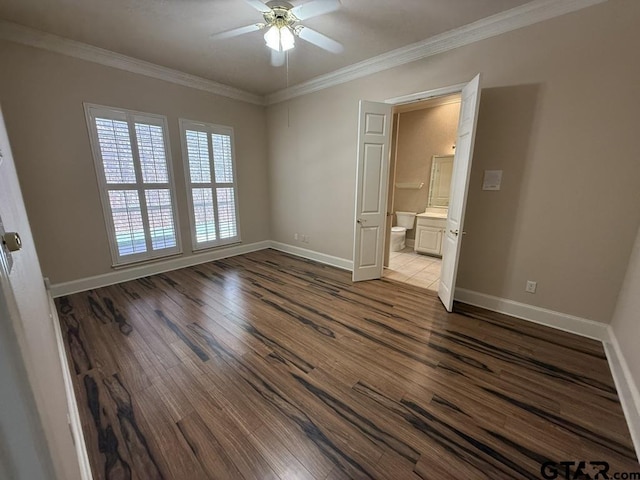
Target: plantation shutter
211 181
133 168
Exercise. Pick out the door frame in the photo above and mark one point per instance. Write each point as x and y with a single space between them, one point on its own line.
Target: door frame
426 95
393 156
406 100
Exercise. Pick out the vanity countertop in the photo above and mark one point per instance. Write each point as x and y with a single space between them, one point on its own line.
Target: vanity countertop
432 214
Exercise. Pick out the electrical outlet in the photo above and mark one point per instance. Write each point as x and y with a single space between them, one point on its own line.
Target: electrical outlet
531 286
295 236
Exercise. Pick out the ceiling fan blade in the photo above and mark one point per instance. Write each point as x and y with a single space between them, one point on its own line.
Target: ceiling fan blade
258 5
320 40
278 58
236 32
315 8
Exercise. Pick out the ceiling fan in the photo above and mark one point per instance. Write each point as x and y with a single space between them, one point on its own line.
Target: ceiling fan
282 24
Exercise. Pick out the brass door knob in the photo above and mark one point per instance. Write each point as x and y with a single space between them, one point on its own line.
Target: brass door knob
12 241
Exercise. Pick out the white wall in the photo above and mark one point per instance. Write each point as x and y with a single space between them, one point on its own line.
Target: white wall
626 318
33 330
42 100
557 115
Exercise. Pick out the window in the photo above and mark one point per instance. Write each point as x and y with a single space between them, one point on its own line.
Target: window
211 183
133 164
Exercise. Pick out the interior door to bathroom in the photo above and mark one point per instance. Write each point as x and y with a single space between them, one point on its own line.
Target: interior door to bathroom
374 137
452 239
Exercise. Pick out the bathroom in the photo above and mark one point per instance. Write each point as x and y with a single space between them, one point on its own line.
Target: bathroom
422 153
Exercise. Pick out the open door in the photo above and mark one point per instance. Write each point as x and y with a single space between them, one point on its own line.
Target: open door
25 452
40 442
452 239
374 137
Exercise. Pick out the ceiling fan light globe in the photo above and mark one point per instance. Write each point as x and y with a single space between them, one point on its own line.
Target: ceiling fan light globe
272 38
287 39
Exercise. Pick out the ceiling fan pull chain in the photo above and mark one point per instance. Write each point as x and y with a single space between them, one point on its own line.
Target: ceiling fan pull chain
287 69
288 107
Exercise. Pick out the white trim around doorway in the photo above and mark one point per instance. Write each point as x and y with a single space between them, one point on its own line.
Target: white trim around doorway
414 98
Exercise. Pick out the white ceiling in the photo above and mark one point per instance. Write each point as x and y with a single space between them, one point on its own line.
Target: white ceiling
175 33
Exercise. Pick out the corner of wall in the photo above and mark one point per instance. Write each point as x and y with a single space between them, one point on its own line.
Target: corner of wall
628 392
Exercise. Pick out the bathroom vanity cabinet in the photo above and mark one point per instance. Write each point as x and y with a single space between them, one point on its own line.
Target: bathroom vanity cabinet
431 225
429 234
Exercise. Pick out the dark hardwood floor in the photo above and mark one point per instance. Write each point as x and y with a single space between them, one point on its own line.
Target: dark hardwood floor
269 366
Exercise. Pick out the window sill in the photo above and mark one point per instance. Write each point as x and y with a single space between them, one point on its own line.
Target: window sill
146 261
215 247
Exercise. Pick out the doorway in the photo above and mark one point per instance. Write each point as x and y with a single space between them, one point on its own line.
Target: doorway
372 184
421 161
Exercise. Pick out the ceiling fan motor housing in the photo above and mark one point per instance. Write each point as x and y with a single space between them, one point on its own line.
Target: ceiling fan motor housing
280 14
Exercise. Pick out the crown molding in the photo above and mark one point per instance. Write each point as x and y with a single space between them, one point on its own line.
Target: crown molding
519 17
35 38
509 20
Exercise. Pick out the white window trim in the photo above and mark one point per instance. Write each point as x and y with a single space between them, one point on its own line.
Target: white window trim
91 112
209 128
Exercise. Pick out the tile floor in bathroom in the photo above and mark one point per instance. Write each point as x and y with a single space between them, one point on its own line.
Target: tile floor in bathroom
414 268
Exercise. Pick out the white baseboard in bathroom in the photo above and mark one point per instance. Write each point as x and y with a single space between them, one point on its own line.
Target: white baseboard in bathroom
338 262
550 318
626 386
410 242
124 275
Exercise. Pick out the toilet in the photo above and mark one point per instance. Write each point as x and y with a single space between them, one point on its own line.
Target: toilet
404 222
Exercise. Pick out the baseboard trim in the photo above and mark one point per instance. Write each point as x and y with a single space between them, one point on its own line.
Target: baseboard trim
561 321
124 275
628 392
73 414
337 262
410 242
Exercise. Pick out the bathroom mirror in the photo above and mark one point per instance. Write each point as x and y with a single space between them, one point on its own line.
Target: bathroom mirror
440 183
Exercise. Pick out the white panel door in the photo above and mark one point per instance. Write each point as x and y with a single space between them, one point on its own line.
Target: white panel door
452 238
374 136
26 316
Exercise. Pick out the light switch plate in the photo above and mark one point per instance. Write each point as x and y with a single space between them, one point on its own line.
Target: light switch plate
492 180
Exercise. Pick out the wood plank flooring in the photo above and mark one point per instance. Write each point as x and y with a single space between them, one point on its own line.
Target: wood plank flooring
268 366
